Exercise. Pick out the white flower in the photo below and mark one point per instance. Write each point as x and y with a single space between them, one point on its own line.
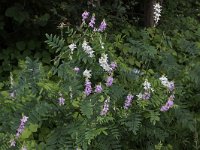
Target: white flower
136 71
157 12
23 148
72 47
164 80
139 95
87 74
87 49
103 61
147 85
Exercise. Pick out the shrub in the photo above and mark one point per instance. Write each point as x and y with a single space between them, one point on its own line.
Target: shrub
89 99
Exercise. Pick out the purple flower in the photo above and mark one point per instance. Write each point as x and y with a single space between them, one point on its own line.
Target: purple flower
21 126
85 15
113 65
171 86
92 21
128 101
170 103
76 69
105 109
102 27
164 108
61 101
24 119
146 95
109 81
88 87
98 88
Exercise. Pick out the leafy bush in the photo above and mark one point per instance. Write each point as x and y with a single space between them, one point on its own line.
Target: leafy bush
70 107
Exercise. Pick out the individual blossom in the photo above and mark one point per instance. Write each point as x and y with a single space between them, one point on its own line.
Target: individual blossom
72 47
98 88
169 104
105 109
76 69
61 101
102 26
147 85
171 86
164 108
157 12
92 21
103 61
128 101
140 96
23 148
164 80
87 74
88 87
21 126
61 25
109 81
113 65
146 95
12 94
87 49
12 142
85 15
100 41
136 71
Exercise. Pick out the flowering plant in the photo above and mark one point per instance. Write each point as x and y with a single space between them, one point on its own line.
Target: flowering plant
86 96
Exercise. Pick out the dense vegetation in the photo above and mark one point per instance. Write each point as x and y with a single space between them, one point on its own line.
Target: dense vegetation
144 87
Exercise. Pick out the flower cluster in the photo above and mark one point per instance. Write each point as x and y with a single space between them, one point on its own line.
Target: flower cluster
102 26
128 101
147 91
85 15
22 125
88 87
92 21
88 84
19 130
103 61
169 104
157 12
72 47
105 109
169 84
87 49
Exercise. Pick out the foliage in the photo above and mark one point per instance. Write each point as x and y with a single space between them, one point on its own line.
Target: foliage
172 49
78 121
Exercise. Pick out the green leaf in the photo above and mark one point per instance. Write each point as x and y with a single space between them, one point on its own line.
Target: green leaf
33 127
17 13
25 134
86 109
